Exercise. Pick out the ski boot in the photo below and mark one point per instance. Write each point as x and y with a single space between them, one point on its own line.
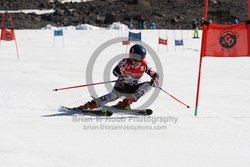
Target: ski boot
124 104
88 106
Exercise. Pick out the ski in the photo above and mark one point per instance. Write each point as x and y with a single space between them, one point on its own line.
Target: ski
108 111
138 112
97 112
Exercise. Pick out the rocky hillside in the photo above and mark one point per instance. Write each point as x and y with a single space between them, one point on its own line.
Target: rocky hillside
165 13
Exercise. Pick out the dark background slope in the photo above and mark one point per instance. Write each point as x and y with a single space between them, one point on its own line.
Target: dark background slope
166 14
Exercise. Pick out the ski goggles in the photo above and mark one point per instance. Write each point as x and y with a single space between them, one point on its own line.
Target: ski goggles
137 61
135 57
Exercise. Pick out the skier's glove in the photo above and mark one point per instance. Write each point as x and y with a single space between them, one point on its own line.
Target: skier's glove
121 78
155 82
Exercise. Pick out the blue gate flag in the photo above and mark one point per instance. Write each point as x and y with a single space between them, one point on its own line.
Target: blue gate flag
134 36
58 32
178 42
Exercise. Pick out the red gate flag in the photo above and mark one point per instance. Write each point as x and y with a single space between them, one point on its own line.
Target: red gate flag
126 42
7 35
223 41
163 41
226 40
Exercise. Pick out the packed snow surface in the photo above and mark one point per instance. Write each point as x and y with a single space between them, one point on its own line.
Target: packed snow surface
35 132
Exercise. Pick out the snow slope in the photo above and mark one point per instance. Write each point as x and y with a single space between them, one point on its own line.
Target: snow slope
35 133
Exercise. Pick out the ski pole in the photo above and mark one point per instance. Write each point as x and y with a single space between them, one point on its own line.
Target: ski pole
173 97
79 86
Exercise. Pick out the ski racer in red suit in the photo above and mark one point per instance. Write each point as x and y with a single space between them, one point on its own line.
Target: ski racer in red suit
128 71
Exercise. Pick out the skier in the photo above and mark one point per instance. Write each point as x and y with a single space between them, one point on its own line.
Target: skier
235 21
128 71
195 26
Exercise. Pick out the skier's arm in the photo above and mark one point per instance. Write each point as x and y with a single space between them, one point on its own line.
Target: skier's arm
154 75
151 72
117 71
118 74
